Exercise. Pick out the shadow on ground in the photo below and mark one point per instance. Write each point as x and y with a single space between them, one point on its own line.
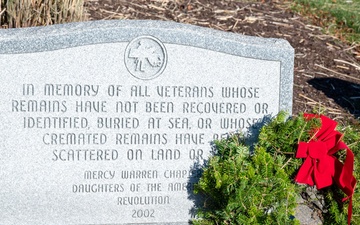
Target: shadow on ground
346 94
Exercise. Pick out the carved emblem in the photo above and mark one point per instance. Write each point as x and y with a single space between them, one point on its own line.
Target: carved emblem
145 57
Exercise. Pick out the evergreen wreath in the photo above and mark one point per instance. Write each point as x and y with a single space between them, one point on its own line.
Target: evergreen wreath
259 188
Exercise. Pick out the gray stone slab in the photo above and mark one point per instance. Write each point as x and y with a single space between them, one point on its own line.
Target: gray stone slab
106 122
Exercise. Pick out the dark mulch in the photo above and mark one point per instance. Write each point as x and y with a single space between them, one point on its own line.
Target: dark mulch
327 71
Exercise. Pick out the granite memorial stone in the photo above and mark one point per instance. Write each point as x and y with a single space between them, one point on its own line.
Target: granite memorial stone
102 122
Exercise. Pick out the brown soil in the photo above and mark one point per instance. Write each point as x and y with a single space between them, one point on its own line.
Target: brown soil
326 73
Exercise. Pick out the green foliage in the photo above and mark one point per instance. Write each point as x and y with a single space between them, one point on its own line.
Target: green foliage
337 211
341 17
281 136
244 189
352 138
259 189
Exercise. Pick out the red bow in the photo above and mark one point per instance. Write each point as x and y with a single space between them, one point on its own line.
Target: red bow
320 166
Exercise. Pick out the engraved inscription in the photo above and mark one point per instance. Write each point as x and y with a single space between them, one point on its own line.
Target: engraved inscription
122 134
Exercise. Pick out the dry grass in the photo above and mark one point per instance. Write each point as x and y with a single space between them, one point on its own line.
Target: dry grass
26 13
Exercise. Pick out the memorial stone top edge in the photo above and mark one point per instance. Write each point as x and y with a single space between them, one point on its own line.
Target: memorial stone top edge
49 38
